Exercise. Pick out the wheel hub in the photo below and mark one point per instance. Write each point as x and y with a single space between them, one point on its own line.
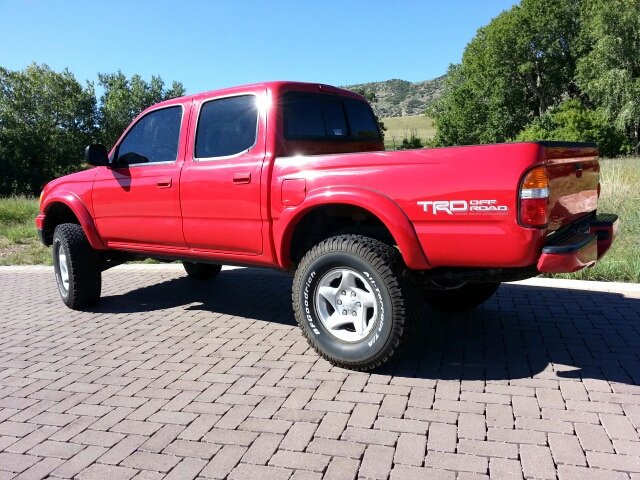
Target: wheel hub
346 305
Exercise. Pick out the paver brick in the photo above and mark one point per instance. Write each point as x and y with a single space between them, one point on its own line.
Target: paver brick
452 461
14 462
472 426
336 448
298 436
566 450
342 468
161 438
401 425
370 436
151 461
100 472
443 437
593 438
505 469
258 472
262 449
406 472
571 472
377 462
300 460
410 449
537 462
50 448
79 462
187 469
618 427
32 439
612 461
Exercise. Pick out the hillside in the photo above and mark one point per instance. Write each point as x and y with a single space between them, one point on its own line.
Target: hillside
399 98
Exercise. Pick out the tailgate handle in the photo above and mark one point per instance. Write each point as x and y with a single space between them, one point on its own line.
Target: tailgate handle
164 182
240 178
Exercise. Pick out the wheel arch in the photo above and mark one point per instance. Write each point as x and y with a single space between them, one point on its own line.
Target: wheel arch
66 207
332 211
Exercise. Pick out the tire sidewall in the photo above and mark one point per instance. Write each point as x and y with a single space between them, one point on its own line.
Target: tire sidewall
376 340
59 244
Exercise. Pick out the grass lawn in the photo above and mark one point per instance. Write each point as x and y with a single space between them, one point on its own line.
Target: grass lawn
402 127
19 243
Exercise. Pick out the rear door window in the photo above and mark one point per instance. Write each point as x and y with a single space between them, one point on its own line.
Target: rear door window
227 126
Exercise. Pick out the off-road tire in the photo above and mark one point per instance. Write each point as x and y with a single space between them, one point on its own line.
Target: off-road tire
378 290
201 271
77 267
466 297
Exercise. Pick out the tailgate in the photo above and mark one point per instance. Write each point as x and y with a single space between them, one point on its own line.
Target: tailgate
574 172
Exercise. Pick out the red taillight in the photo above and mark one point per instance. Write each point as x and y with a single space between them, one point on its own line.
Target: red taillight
534 198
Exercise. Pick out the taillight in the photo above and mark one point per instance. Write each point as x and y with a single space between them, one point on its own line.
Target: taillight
534 198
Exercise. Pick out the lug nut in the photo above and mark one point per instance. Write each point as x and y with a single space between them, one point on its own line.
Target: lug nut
344 312
339 302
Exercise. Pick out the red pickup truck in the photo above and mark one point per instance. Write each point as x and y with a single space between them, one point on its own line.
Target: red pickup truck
294 176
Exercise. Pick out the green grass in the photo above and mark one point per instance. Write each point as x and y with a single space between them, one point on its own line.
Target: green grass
402 127
19 244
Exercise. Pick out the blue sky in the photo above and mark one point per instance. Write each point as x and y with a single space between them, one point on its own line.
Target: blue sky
214 44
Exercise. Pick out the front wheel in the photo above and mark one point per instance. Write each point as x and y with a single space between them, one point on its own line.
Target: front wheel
464 297
77 267
355 300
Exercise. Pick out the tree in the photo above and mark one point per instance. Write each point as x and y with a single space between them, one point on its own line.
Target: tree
572 121
46 120
609 73
514 69
124 99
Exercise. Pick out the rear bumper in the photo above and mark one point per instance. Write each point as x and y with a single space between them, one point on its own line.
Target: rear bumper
582 248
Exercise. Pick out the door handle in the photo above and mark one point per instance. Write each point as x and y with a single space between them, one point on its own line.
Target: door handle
164 183
240 178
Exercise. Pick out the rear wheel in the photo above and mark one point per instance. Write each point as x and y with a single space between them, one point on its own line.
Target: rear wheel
355 301
77 267
464 297
201 271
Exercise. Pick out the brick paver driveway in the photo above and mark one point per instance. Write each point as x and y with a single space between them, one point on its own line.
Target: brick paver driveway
173 378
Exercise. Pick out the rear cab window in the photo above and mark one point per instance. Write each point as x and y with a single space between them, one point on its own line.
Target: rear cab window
329 117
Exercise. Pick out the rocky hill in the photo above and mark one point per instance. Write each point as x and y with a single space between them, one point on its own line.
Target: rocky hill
399 98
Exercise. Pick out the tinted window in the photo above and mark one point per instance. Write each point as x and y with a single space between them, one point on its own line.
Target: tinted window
154 138
227 126
317 116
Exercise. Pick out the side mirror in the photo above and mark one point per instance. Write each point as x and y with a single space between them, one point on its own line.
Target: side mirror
96 155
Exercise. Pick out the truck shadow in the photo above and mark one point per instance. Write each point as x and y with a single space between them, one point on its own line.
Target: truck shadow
525 331
246 292
522 332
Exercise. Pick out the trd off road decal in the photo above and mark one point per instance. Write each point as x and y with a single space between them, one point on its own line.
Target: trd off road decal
464 207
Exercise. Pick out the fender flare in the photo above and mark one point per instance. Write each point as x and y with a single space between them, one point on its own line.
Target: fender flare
79 209
376 203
